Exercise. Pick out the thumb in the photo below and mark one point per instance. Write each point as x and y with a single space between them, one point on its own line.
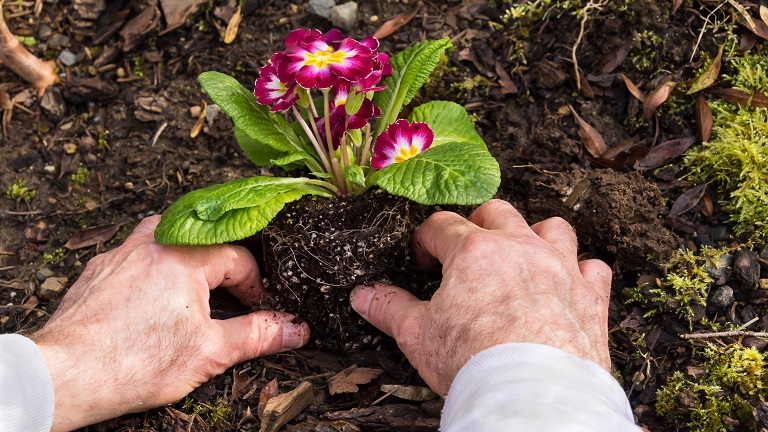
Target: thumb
262 333
392 310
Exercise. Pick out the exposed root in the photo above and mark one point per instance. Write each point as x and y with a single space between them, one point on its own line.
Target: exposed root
33 70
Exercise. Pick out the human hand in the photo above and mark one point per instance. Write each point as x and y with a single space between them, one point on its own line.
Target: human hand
135 331
503 281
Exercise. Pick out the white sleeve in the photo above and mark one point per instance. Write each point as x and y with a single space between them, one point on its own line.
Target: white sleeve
530 387
26 388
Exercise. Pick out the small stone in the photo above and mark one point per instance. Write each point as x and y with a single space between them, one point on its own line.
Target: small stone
59 40
69 148
321 8
748 314
53 105
50 169
747 267
719 232
764 253
698 312
720 269
722 297
374 18
763 283
44 31
120 73
44 273
52 200
68 58
128 185
91 205
52 286
212 113
756 343
195 111
344 16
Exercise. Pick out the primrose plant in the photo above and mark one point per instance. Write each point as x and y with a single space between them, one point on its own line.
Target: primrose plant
345 98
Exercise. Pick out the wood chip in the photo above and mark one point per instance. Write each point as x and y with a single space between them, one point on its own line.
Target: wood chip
267 392
285 407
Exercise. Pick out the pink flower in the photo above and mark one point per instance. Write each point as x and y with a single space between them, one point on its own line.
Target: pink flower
317 64
401 141
270 89
359 119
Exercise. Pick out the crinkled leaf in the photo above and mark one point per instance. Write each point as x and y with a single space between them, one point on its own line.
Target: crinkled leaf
229 211
255 120
256 152
452 173
354 174
449 122
410 70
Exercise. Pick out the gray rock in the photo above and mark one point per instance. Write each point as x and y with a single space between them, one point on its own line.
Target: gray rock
321 8
212 112
58 40
719 232
721 269
52 287
748 314
747 267
68 58
44 31
722 297
344 16
53 105
44 273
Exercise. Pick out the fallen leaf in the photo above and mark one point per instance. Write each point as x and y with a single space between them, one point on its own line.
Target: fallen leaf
759 28
704 117
507 86
709 76
738 97
613 59
709 207
676 4
239 380
5 100
234 24
747 41
408 392
395 23
764 13
347 381
92 236
268 392
750 23
636 92
199 123
687 200
591 138
664 153
586 89
30 304
658 96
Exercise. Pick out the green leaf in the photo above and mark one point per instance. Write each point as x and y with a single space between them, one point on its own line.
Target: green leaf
452 173
298 159
354 174
449 122
256 152
355 136
255 120
410 70
229 211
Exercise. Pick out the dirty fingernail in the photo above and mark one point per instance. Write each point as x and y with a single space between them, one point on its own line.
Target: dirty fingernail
361 299
293 336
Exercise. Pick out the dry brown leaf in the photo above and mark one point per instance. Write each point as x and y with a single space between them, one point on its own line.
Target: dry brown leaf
658 96
613 59
747 41
591 138
764 13
30 304
395 23
676 5
234 24
687 200
5 100
507 86
759 28
663 153
408 392
738 97
347 381
751 24
199 123
268 392
704 117
709 207
636 92
92 236
586 89
709 76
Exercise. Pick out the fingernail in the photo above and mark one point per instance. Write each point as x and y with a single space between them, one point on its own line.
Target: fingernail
293 336
361 299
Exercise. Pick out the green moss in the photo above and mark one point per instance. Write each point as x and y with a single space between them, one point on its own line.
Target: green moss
733 380
210 414
81 176
18 192
736 160
54 257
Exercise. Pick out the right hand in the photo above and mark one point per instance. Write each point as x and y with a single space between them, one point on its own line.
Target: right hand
503 281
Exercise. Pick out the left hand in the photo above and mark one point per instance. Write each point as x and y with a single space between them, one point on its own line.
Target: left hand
135 331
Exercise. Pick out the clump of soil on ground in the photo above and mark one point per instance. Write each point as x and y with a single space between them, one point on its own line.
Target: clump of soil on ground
317 250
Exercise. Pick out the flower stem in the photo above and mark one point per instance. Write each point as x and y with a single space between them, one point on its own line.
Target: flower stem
311 136
324 184
364 159
329 142
337 173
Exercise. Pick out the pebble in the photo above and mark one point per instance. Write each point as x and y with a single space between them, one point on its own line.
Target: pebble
763 283
69 148
722 297
52 286
44 273
374 18
719 232
50 169
195 111
128 185
321 8
58 40
211 113
44 31
721 269
344 16
68 58
747 267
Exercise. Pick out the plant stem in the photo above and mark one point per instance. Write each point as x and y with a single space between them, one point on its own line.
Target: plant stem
366 147
312 138
329 141
325 184
337 173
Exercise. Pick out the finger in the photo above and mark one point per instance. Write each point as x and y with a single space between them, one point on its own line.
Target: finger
498 215
261 333
598 275
391 309
146 226
229 266
438 236
559 234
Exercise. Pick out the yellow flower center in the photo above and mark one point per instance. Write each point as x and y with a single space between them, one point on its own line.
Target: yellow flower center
406 153
323 58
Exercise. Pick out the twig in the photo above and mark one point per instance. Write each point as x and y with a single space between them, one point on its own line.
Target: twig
724 334
587 9
22 213
157 134
14 307
703 28
386 395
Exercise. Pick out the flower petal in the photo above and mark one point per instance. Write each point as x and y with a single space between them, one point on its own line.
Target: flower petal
401 141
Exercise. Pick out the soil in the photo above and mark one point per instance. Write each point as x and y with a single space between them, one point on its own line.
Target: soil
111 145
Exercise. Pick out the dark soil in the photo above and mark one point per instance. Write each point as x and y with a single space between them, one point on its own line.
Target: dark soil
123 115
